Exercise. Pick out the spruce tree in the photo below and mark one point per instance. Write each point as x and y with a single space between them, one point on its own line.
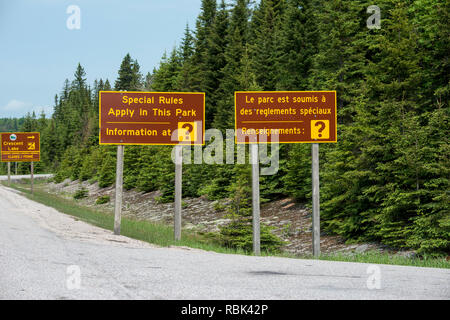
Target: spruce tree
130 78
237 39
296 45
215 61
266 25
186 79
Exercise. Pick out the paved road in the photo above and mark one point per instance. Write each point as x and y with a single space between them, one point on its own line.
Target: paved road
43 251
26 176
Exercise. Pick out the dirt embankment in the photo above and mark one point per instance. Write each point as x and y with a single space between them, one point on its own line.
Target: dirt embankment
291 221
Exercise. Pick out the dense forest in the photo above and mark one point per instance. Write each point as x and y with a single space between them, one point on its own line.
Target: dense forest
387 178
11 124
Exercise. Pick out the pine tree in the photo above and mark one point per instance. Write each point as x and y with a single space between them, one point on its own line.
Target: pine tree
79 82
215 61
339 64
148 84
107 86
237 40
166 77
297 45
186 79
129 78
266 25
136 82
203 31
107 174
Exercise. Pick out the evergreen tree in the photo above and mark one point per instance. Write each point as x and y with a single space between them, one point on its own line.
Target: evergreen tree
203 29
186 79
215 61
297 45
387 178
237 40
166 77
129 78
79 83
266 29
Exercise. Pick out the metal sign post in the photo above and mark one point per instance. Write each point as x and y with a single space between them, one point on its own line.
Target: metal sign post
255 198
9 174
292 117
32 178
119 188
315 200
178 190
151 118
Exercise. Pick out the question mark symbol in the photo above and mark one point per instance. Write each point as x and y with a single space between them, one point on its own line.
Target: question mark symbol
188 129
322 127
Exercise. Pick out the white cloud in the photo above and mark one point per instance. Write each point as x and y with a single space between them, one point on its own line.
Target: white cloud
16 105
17 108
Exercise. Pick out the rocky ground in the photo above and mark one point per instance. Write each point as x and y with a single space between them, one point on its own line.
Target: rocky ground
291 221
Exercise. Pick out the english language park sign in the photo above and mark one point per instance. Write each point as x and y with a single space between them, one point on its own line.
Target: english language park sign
20 146
152 118
291 116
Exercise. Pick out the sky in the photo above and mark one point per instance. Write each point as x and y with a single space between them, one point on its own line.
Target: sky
38 51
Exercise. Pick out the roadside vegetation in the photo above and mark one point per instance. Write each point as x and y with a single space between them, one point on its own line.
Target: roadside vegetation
386 180
162 235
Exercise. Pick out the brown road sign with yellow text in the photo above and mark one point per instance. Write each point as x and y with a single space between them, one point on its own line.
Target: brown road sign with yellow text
20 146
152 118
295 116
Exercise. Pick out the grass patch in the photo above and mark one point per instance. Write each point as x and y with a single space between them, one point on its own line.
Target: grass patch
162 235
374 257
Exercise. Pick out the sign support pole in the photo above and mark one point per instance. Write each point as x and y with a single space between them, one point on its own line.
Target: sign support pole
315 200
15 168
178 190
9 174
119 187
32 178
255 199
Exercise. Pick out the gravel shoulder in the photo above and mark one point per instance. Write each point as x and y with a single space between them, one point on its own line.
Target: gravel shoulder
66 226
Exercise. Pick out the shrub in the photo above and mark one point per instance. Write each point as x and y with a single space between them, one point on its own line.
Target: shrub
107 173
102 200
239 234
81 193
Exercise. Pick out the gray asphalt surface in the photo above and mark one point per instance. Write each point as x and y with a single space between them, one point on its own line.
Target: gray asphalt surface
37 259
25 176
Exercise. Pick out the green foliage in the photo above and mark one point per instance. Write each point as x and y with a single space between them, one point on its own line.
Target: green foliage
241 192
387 178
102 199
107 172
81 193
239 234
130 78
66 169
11 124
90 165
132 164
297 180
